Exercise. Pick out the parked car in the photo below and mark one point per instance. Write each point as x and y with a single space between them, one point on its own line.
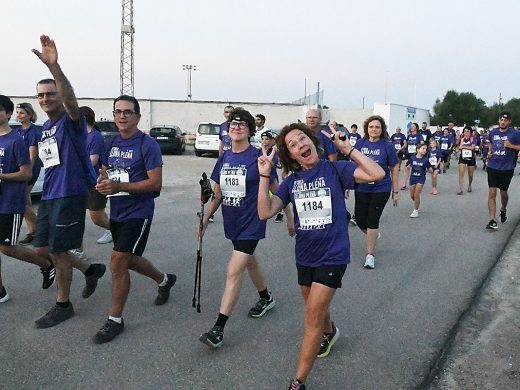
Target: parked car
206 138
107 128
169 138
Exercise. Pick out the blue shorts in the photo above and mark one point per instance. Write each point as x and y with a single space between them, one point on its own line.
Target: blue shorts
417 180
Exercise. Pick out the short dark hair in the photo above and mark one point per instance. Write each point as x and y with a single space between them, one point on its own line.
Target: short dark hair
46 81
354 125
89 115
239 114
128 98
261 117
288 163
384 133
6 104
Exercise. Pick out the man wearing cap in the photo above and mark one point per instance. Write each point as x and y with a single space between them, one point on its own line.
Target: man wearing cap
68 175
225 141
504 144
313 122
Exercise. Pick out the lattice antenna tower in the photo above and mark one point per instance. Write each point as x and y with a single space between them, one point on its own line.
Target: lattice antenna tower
126 70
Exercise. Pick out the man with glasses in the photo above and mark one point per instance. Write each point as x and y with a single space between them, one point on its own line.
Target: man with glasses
225 141
504 144
61 216
132 178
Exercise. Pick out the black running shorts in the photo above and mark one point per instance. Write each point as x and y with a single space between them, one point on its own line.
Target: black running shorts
10 228
130 236
499 179
245 246
328 275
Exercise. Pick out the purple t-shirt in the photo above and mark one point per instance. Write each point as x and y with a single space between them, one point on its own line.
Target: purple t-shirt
434 157
224 136
69 177
320 214
354 138
413 141
238 177
95 145
467 154
136 155
503 159
397 140
13 154
327 145
383 153
437 135
445 143
31 136
419 167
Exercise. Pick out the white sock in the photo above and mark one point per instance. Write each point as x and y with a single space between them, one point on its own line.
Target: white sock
119 320
165 280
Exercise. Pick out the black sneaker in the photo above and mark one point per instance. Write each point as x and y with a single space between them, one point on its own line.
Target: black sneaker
261 307
503 215
214 337
108 331
48 276
492 225
296 385
353 221
27 239
54 316
4 296
328 341
164 292
279 218
92 280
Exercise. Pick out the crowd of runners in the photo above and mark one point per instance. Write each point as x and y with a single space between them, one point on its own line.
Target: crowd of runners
320 167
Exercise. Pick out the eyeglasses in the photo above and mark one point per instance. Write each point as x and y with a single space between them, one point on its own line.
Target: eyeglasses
123 112
41 95
236 125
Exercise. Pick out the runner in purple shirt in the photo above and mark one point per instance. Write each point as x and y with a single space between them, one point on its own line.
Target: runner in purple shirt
371 198
316 189
131 177
15 171
504 144
446 146
413 139
418 166
236 187
223 136
68 174
467 158
31 135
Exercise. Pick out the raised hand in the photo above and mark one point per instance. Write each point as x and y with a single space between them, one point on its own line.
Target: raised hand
265 161
49 53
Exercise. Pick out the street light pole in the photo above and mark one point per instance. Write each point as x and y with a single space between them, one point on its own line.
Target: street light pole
189 68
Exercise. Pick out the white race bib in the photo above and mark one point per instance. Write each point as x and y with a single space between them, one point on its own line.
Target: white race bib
444 146
425 137
412 148
233 182
314 207
48 152
353 141
397 146
433 161
120 175
466 153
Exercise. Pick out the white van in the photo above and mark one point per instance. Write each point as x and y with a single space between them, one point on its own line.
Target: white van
206 138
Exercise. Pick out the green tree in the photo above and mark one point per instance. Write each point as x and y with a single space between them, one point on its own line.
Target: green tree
459 108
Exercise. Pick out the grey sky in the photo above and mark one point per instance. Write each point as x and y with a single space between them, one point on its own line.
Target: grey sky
264 50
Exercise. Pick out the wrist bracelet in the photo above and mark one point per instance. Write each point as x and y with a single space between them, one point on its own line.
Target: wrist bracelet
266 176
349 153
395 192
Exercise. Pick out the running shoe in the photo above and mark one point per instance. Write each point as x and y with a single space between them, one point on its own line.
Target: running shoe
108 331
262 307
460 192
503 215
106 238
211 219
328 341
279 218
444 171
353 220
470 189
296 385
403 187
434 191
91 281
27 239
370 262
492 225
214 337
4 296
78 253
163 293
414 214
48 276
55 316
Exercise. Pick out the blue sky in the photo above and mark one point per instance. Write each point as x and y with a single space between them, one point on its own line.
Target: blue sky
263 51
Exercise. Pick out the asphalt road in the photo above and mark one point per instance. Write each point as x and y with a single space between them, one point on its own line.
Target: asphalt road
394 320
